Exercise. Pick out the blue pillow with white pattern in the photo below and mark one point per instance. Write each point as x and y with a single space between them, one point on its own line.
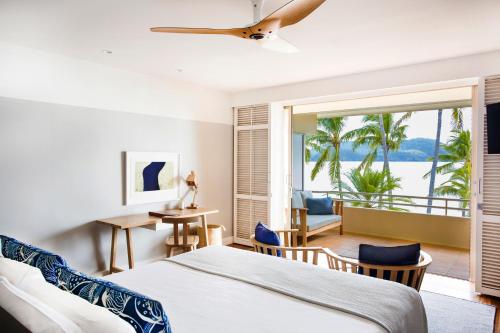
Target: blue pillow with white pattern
33 256
144 314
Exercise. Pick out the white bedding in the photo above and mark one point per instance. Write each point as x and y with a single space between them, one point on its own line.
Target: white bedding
200 302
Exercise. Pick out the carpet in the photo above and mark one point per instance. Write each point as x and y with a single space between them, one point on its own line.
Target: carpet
447 314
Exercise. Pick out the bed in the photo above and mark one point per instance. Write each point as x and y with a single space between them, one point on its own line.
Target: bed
222 289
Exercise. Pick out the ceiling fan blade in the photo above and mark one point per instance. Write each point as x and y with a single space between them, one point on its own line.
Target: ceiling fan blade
237 32
289 14
277 44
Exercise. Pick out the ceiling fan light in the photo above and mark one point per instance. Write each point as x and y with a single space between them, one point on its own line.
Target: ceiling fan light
277 44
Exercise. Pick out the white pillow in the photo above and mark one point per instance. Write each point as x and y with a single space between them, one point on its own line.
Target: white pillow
31 313
88 317
20 274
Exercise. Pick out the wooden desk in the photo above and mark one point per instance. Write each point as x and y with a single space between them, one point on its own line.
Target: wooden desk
142 220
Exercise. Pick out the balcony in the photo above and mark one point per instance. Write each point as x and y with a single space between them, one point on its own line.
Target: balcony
445 237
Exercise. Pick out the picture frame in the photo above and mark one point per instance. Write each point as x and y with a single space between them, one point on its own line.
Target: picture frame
152 177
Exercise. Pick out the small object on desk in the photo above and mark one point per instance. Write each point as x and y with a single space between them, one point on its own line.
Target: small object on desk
165 213
192 181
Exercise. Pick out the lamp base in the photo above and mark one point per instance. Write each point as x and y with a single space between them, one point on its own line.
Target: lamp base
192 206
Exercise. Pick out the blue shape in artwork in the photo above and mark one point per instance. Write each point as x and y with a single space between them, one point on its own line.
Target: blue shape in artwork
150 176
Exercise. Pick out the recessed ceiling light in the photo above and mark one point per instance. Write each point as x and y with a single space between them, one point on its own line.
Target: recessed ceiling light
106 51
180 70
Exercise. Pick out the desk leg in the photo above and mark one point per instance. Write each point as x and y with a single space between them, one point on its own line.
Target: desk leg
130 249
205 228
112 257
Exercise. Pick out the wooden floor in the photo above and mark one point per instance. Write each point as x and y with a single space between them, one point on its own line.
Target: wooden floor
440 284
447 261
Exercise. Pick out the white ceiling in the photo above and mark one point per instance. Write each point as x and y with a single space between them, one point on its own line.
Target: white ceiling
339 38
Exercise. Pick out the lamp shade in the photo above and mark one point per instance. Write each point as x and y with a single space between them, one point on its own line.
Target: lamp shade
191 179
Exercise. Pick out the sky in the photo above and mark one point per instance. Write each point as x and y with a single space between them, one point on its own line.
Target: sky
422 124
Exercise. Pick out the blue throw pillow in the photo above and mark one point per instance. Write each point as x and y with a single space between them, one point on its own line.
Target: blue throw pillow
389 256
144 314
319 206
33 256
267 236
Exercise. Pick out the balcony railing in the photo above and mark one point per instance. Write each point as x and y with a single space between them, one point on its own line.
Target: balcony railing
442 203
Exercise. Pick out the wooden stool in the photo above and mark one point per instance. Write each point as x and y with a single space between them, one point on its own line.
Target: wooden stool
187 242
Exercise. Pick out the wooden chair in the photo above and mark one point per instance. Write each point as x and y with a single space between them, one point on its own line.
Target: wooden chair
186 243
289 248
300 220
408 278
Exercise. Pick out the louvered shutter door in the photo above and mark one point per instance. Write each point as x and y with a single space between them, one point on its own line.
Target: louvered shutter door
251 169
490 218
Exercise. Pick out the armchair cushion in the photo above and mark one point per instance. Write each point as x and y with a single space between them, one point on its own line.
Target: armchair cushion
305 195
267 236
391 256
315 222
405 255
319 206
297 200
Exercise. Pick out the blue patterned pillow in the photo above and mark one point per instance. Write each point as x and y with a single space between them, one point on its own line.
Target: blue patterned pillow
144 314
28 254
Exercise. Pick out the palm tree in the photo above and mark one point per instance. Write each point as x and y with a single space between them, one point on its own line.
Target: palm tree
435 158
367 187
458 152
457 118
380 131
327 141
457 123
458 185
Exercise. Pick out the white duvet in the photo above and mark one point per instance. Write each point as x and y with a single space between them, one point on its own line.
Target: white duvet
197 301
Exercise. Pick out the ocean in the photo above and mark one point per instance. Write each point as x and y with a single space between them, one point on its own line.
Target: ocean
412 182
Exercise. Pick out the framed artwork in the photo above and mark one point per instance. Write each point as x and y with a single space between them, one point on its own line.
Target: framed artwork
152 177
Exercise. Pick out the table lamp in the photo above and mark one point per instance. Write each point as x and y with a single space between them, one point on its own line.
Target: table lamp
192 182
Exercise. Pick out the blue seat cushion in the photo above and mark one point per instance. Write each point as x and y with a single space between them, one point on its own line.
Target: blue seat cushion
405 255
143 313
267 236
315 222
319 206
46 261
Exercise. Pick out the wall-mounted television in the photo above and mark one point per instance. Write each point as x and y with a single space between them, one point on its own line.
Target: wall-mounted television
493 121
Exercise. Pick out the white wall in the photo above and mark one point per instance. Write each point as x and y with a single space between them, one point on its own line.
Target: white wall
279 170
444 70
63 167
40 76
64 127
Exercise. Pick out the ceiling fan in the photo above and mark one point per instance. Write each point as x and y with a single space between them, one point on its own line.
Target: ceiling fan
264 31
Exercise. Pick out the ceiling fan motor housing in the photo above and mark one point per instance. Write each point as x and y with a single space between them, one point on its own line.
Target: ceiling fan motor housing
257 36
